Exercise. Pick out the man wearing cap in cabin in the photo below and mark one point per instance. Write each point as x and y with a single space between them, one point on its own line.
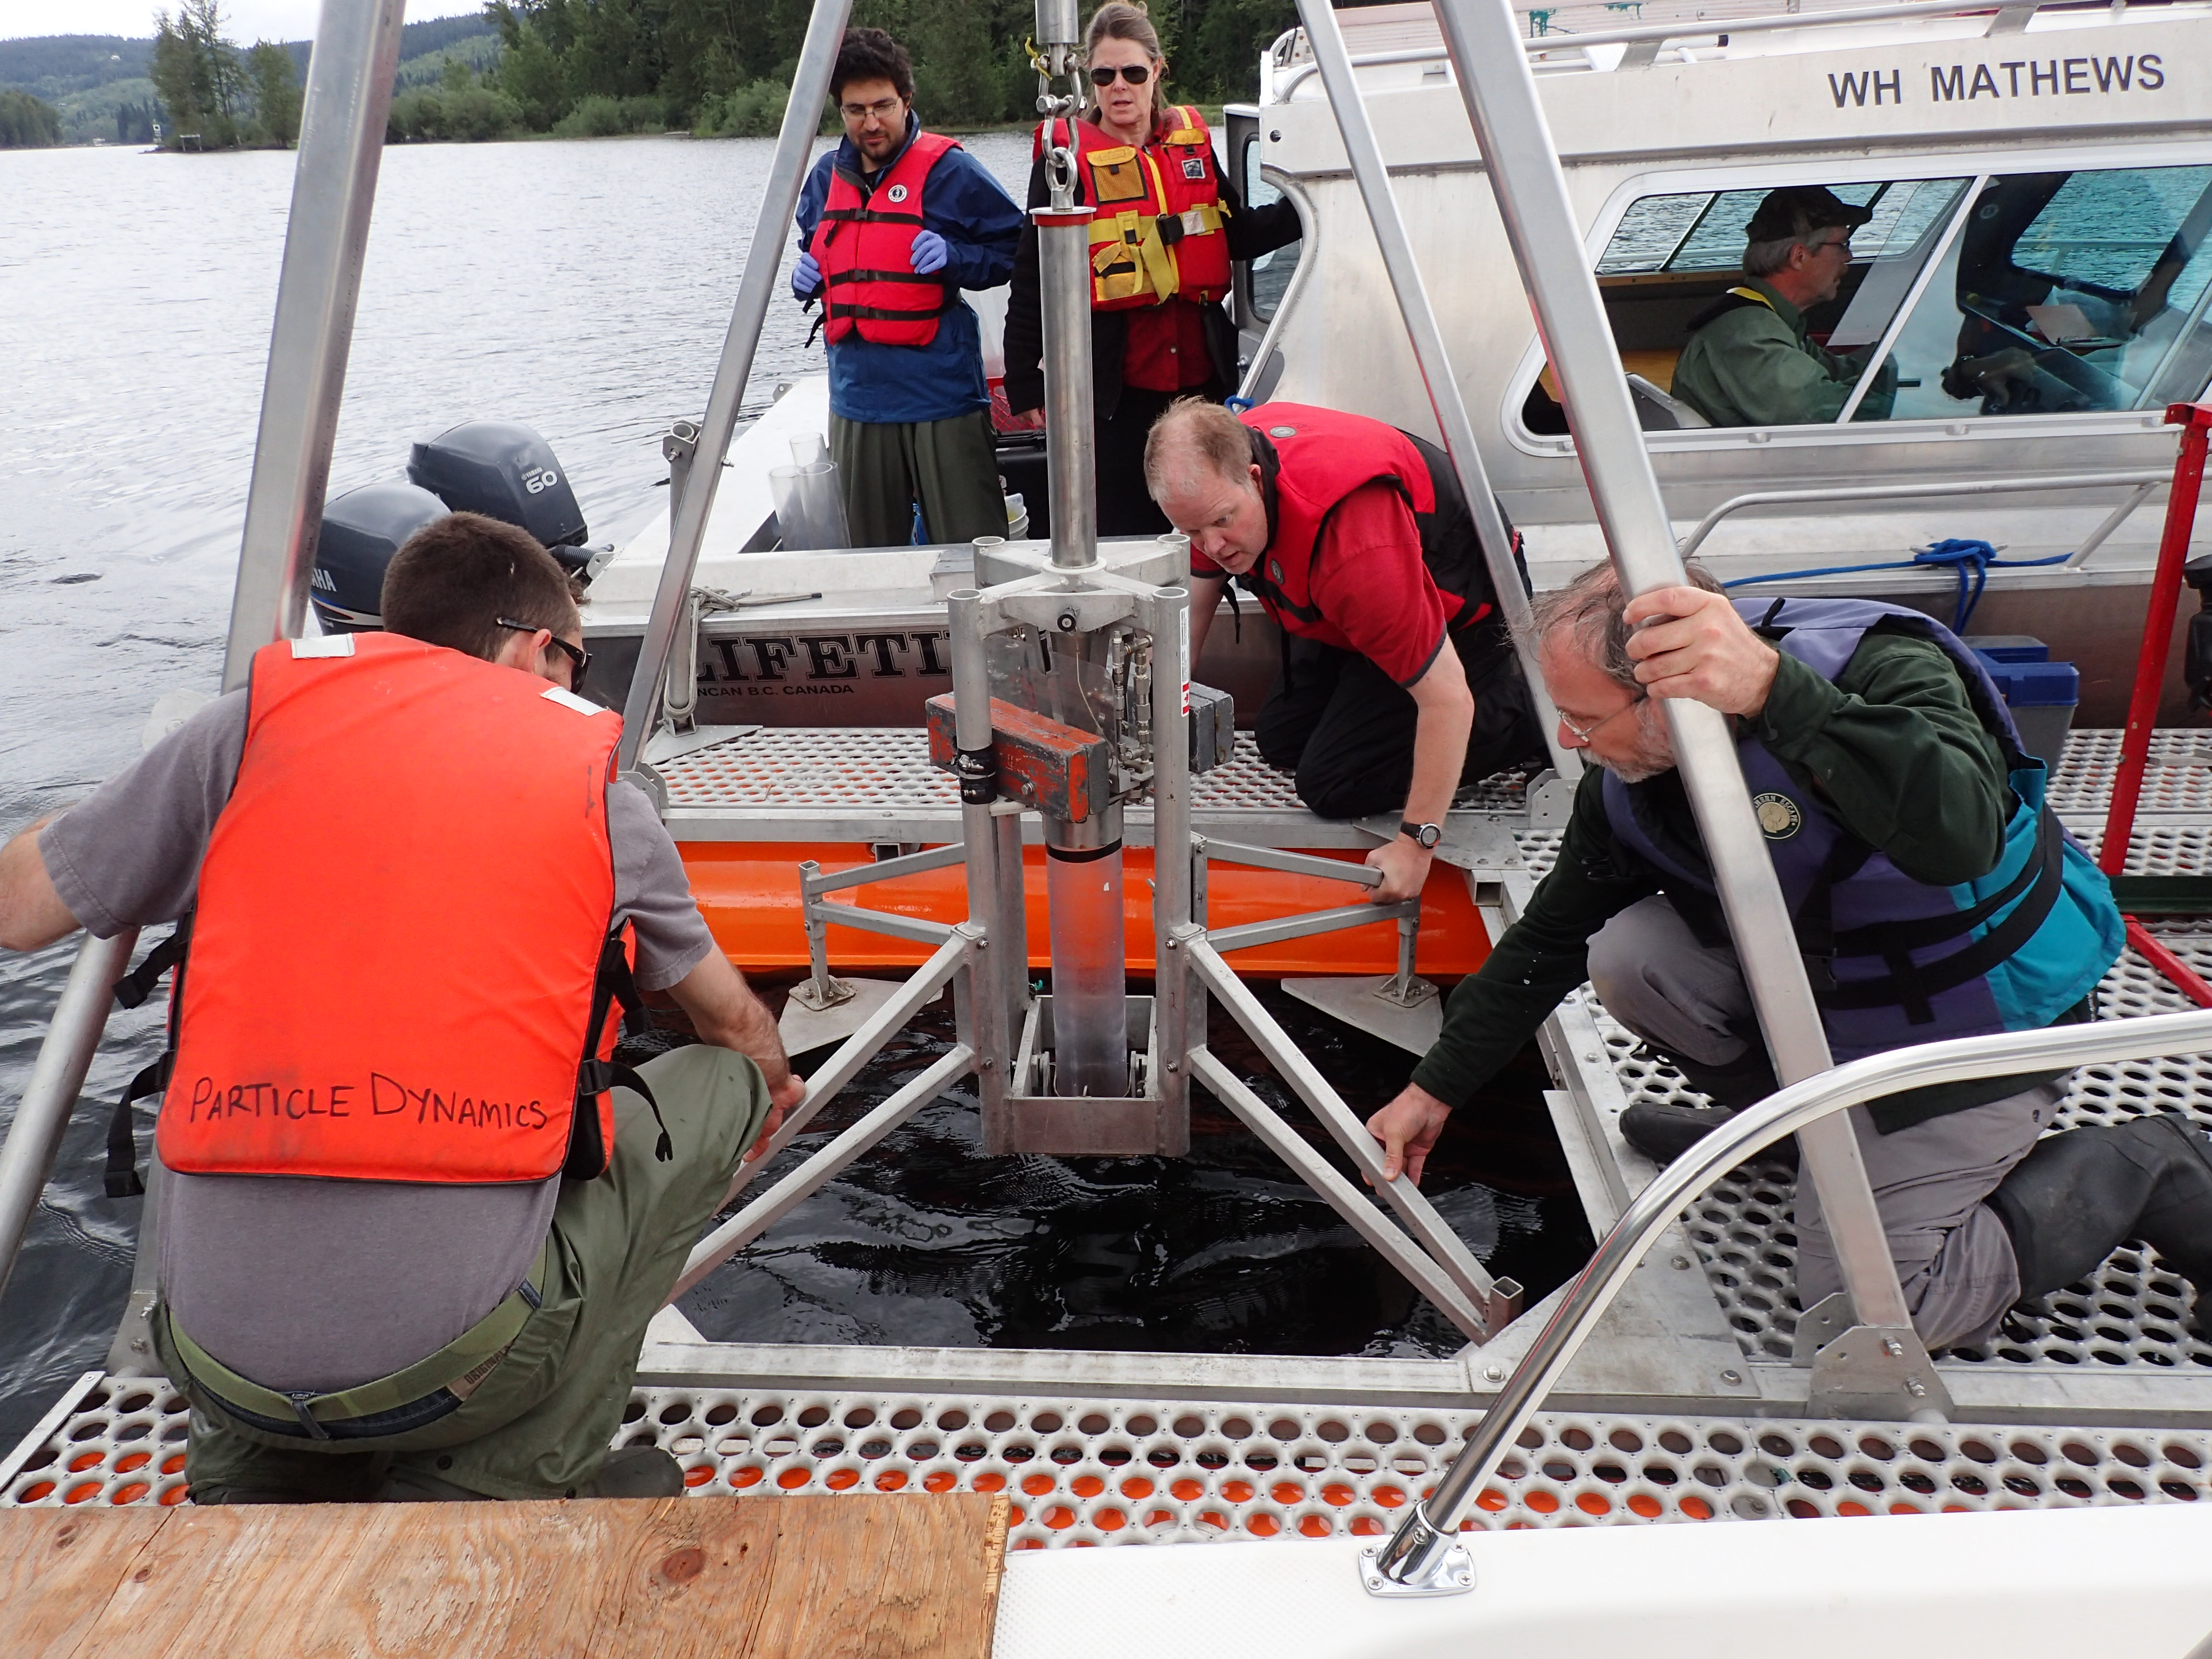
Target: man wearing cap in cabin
414 1217
1399 683
893 224
1749 362
1933 896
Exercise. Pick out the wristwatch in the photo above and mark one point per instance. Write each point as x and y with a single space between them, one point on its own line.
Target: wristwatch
1428 835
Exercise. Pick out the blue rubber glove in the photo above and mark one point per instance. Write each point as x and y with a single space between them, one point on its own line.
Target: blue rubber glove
805 277
930 252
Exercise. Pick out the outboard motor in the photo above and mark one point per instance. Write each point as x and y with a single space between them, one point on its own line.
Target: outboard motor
361 529
505 470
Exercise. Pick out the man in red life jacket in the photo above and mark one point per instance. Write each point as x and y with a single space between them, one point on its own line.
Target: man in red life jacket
893 224
412 1231
1399 683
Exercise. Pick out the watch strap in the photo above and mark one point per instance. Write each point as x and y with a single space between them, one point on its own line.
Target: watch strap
1426 835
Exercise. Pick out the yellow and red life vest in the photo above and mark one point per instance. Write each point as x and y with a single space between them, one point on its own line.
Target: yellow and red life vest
1315 459
1159 230
865 247
400 964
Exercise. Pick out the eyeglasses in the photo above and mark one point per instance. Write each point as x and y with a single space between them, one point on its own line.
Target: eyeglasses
580 661
1135 74
884 107
1581 734
1843 241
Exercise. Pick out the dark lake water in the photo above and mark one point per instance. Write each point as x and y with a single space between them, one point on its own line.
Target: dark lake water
583 288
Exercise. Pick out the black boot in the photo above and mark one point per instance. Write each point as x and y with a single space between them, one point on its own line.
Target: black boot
2069 1203
1663 1130
2177 1221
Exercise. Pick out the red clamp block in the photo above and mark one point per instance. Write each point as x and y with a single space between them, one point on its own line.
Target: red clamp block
1049 768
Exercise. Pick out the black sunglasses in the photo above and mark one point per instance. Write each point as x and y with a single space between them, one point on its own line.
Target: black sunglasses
580 661
1135 74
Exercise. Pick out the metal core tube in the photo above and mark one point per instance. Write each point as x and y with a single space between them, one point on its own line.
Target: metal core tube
1071 453
1090 1017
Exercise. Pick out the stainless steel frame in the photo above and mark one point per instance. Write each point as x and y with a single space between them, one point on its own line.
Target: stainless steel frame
1498 89
702 466
1423 1557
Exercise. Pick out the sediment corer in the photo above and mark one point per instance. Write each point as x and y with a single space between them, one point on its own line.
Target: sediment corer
2196 659
505 470
361 529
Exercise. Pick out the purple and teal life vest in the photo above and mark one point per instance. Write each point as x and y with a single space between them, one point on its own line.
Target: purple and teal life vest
1895 961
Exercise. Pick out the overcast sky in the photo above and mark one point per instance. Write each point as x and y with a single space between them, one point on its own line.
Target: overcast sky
248 19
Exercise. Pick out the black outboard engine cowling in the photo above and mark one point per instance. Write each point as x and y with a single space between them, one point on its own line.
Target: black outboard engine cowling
503 471
361 529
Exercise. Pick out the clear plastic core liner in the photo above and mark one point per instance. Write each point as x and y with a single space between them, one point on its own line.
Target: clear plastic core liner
1090 1021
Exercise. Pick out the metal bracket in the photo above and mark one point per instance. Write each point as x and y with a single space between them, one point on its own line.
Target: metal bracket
1453 1575
1822 1324
1877 1373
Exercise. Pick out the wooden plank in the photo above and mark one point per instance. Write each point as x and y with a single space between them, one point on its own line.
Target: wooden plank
919 1577
58 1568
855 1577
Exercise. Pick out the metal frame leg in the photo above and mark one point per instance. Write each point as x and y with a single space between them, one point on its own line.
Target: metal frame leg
779 1200
1497 1300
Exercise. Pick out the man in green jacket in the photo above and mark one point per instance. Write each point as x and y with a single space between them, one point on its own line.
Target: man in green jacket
1863 717
1748 361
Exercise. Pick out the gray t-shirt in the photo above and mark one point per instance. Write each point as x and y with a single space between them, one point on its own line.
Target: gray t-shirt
313 1284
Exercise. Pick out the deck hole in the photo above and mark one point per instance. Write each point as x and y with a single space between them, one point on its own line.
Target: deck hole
1724 1442
859 1417
1143 1424
952 1419
2133 1455
1977 1451
725 1412
2181 1456
1235 1428
906 1418
1190 1427
1285 1428
813 1417
762 1418
1877 1447
1335 1434
2028 1452
1626 1440
1675 1442
998 1422
1530 1438
1096 1423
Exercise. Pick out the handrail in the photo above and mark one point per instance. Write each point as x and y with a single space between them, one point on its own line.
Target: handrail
1689 30
1696 538
1428 1531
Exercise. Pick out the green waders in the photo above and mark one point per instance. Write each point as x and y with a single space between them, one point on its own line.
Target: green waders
538 1423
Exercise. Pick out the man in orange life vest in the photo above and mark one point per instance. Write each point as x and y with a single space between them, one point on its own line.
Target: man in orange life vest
893 224
1399 683
412 1231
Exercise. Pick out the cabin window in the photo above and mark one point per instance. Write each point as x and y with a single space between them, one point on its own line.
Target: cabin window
2023 294
1676 260
1270 274
2064 293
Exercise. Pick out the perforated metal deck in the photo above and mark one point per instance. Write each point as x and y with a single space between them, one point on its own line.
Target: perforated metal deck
801 783
1087 1472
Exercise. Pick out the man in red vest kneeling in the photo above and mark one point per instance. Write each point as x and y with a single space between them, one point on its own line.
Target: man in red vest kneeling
1400 684
415 1215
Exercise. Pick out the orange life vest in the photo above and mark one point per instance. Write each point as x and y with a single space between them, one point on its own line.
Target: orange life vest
399 969
865 247
1160 230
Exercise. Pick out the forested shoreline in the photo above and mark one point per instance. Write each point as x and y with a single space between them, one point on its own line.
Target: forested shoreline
588 69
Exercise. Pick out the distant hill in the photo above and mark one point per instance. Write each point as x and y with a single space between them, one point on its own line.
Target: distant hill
55 66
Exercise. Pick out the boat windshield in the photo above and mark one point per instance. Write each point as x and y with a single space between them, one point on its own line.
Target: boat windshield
2006 294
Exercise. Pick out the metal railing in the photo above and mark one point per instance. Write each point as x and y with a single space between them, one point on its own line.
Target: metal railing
2006 19
1415 1554
2144 483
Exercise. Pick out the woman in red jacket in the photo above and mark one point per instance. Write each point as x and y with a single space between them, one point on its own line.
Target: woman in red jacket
1168 223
